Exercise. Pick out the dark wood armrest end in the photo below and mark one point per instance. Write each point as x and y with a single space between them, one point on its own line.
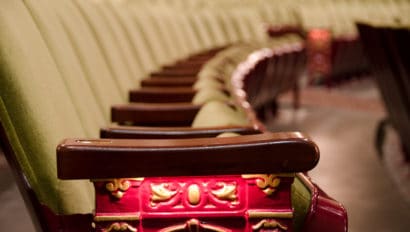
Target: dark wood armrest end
176 81
248 154
162 94
155 114
138 132
175 73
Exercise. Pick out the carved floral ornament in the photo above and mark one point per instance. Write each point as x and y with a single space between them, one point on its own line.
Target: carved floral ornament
269 224
118 187
194 225
120 226
161 192
267 183
194 192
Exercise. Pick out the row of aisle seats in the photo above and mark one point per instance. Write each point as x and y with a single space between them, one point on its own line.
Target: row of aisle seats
171 94
387 48
339 17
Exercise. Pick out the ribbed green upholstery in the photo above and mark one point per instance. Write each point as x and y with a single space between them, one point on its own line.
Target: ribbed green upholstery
101 79
190 38
165 33
209 94
104 38
228 26
179 40
37 110
200 30
151 36
64 63
219 36
216 113
139 43
87 107
131 58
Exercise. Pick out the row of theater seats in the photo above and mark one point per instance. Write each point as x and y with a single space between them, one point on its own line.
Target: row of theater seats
387 49
184 154
338 17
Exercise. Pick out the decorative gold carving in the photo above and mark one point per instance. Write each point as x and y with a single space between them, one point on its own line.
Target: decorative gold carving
269 214
118 187
268 183
194 225
194 194
120 226
160 192
227 192
122 217
269 224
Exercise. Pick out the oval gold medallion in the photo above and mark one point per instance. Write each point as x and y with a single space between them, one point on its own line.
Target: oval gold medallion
194 194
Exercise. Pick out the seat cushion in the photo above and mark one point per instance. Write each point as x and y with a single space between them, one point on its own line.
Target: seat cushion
216 113
301 200
207 95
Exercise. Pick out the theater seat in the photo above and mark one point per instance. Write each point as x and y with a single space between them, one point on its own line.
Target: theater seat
63 64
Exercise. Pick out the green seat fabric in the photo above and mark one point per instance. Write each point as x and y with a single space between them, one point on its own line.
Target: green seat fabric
216 113
207 84
209 94
301 200
37 111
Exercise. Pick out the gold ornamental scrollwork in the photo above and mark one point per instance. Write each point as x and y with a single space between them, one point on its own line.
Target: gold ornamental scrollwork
268 183
194 225
120 226
227 192
269 224
118 187
161 193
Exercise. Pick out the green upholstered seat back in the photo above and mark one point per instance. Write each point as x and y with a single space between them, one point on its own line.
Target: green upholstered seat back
211 19
165 32
37 110
217 113
209 94
102 79
151 35
69 66
109 46
131 57
139 42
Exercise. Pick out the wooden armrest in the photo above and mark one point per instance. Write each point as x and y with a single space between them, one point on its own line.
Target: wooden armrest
122 158
274 31
139 132
162 94
168 82
155 114
185 64
181 68
175 73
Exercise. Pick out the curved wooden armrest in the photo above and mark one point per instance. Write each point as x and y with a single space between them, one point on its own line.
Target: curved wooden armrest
139 132
274 31
162 94
157 114
122 158
185 64
175 73
181 68
168 82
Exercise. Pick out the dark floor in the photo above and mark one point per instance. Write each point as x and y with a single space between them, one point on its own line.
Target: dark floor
342 122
